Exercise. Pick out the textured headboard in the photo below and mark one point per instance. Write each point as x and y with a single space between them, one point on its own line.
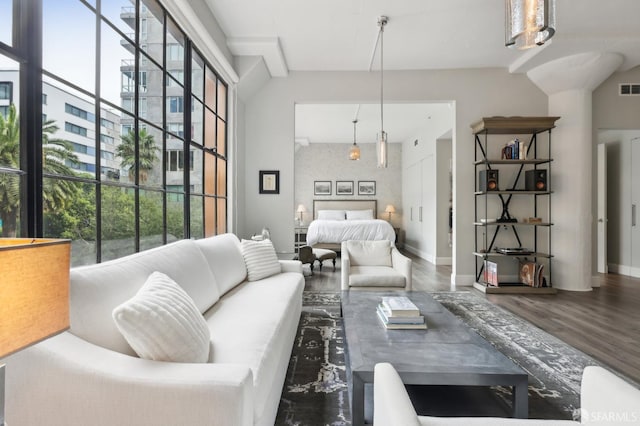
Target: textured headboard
345 205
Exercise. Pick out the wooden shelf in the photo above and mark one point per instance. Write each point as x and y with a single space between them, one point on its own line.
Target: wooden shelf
514 192
515 162
513 288
496 254
512 224
514 125
537 235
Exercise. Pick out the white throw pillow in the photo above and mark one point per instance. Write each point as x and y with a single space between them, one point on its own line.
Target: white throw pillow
331 215
360 214
260 258
162 323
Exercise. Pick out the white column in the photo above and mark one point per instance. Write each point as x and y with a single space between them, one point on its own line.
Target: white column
569 83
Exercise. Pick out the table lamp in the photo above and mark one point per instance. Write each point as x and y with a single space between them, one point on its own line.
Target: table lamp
301 209
389 209
34 294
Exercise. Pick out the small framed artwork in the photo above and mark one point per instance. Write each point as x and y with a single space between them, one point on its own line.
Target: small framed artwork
366 187
269 181
322 187
344 187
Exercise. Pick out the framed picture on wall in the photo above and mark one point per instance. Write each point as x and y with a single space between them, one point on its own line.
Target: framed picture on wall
322 187
344 187
269 181
366 187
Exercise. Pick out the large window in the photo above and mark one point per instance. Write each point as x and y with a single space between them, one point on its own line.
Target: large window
120 171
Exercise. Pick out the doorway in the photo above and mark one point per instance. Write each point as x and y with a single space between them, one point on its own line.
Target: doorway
618 201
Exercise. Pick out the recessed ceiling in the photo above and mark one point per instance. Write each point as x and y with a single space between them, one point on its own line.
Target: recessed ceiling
340 34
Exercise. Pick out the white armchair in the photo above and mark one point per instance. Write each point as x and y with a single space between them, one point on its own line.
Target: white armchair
374 265
605 399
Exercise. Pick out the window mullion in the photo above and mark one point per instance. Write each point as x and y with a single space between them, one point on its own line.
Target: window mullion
29 43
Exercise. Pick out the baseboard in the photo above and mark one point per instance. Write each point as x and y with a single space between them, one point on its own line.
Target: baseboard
429 258
462 280
627 270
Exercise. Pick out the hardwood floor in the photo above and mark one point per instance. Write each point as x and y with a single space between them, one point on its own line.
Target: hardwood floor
603 323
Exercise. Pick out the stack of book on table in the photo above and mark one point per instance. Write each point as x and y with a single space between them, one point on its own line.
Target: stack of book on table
400 313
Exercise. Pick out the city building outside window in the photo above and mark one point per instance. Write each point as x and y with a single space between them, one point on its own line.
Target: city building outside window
119 182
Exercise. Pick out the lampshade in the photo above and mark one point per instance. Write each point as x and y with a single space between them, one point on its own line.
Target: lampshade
381 148
301 210
34 291
529 23
388 210
354 152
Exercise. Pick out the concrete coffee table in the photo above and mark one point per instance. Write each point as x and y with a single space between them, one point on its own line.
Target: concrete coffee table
447 353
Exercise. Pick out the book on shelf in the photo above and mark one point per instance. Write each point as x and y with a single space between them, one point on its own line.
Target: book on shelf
531 274
514 150
491 273
400 306
488 220
390 319
396 326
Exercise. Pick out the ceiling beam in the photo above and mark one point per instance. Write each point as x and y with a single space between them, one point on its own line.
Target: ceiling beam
267 47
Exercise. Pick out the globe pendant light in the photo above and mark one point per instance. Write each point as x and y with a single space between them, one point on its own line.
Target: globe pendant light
354 152
529 23
381 144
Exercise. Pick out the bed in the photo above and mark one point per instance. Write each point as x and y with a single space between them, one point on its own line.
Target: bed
336 221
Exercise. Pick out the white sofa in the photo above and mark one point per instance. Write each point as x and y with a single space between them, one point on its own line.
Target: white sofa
89 375
605 399
374 265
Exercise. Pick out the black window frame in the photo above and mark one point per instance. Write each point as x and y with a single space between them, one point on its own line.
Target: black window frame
27 51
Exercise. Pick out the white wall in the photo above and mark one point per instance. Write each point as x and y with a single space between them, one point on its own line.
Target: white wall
443 160
269 130
238 180
329 161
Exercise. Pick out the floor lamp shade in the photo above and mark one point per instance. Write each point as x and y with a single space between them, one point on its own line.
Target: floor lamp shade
34 291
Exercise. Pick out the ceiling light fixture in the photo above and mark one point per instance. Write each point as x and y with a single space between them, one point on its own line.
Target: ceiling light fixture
381 147
354 152
529 23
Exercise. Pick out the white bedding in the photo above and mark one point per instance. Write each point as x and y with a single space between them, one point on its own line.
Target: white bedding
337 231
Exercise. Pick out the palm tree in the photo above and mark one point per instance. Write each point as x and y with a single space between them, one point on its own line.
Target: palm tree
56 153
147 153
9 184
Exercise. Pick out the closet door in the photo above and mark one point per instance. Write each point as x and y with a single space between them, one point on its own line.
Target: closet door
413 205
635 207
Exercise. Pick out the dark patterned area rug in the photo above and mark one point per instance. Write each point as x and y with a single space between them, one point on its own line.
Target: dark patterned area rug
554 368
315 389
316 392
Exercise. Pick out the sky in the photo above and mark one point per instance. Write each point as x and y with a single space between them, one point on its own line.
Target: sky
69 34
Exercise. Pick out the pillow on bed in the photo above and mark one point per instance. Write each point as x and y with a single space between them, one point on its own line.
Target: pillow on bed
360 214
331 215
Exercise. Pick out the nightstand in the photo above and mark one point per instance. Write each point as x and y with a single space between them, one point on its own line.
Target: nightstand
300 237
399 239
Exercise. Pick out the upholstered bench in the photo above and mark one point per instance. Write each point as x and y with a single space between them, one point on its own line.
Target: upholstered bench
325 254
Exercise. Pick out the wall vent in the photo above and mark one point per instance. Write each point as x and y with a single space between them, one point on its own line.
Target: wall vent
629 89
